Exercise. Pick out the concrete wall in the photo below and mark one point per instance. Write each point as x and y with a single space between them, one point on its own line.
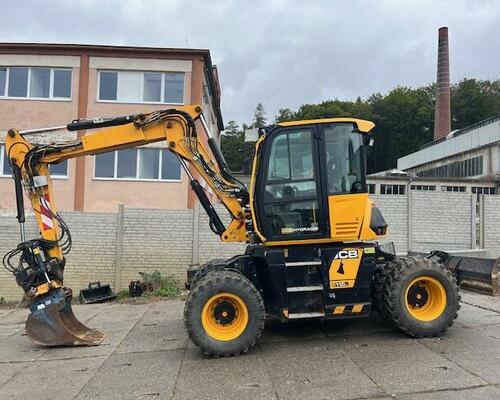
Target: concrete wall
425 221
115 247
491 222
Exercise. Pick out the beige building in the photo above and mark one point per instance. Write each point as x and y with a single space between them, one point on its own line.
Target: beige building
47 85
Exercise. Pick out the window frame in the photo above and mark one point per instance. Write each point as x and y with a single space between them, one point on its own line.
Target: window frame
28 87
138 161
2 157
141 89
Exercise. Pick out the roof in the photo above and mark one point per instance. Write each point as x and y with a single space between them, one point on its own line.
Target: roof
362 125
483 134
124 51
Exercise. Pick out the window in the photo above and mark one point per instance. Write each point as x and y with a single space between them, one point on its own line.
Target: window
152 87
4 162
62 83
18 82
344 158
35 83
141 87
59 170
108 84
290 199
423 187
174 87
457 169
371 188
127 163
138 164
3 81
56 170
392 189
453 188
40 82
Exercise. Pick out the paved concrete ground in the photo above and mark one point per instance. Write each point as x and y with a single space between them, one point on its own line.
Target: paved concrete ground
147 356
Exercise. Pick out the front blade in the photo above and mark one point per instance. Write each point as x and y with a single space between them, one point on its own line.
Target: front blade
52 322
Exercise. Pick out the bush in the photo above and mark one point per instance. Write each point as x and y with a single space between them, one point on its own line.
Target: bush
163 286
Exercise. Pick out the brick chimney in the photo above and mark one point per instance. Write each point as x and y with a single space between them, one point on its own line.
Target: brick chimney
442 116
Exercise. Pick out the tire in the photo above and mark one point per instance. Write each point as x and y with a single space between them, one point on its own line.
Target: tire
218 292
417 296
209 266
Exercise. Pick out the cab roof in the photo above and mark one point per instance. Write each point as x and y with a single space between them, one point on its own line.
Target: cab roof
362 125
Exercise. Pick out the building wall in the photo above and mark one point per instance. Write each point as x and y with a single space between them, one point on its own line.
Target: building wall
100 195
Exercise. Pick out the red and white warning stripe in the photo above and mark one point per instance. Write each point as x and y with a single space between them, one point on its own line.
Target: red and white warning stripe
45 212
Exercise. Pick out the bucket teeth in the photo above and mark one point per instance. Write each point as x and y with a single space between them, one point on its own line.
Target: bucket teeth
52 322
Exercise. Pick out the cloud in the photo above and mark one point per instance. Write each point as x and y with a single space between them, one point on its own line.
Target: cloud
283 53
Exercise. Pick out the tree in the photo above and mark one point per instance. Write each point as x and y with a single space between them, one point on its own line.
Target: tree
474 100
284 114
232 129
259 117
231 146
404 117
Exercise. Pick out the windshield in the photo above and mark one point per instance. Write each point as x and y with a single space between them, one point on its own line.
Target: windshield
344 158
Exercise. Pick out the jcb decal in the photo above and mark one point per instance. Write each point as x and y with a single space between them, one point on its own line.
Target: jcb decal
347 254
344 268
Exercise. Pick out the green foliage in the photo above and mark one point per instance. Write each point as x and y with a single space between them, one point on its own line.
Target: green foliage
473 100
284 115
231 146
163 286
232 129
259 117
404 118
122 294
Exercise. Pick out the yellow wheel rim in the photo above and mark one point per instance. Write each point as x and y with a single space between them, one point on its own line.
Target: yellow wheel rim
425 298
224 316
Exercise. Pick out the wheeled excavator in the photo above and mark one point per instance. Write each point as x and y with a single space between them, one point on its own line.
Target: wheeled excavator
312 232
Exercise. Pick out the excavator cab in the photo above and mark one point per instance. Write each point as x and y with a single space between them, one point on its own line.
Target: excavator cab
310 183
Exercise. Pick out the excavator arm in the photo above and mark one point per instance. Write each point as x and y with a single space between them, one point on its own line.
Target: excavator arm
40 262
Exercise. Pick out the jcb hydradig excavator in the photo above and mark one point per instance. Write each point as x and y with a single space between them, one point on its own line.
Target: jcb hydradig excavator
310 226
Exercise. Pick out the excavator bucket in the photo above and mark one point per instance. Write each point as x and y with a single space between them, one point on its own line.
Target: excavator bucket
52 322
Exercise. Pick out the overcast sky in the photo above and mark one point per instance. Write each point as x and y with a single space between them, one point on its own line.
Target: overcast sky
282 53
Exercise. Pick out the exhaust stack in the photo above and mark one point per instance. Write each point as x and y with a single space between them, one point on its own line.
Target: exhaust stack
442 116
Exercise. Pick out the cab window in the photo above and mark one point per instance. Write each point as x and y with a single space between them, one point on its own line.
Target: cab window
344 158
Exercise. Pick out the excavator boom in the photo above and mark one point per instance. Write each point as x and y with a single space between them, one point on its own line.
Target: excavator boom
38 264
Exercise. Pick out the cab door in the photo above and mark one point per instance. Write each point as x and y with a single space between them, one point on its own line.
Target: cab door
343 165
290 202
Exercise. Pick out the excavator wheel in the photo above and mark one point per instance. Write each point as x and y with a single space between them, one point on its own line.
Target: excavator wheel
209 266
224 314
416 295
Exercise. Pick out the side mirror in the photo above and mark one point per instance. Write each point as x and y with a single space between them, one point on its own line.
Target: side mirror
371 142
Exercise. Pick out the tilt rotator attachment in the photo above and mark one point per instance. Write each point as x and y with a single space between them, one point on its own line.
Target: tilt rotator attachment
51 321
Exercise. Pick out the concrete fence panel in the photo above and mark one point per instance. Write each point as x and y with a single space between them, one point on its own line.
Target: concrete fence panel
441 221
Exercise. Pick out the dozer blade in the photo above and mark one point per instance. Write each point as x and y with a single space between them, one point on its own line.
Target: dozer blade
52 322
473 273
476 274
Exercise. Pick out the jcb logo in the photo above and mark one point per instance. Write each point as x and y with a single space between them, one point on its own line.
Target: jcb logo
343 254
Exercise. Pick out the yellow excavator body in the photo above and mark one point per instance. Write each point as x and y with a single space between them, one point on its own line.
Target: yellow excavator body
310 226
